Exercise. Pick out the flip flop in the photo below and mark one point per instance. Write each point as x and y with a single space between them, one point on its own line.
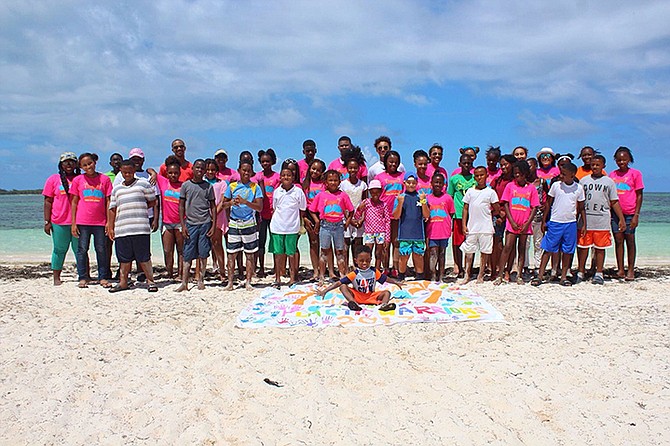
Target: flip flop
276 285
387 307
536 281
83 284
353 306
566 282
152 288
105 284
117 288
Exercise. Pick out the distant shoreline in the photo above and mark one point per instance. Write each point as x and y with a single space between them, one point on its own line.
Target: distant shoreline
21 192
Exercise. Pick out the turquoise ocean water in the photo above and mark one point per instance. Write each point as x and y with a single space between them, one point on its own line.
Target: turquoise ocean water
23 240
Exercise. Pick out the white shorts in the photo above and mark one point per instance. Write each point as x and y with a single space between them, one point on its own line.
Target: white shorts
478 242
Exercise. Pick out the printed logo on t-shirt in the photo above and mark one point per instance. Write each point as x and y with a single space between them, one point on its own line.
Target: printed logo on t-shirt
520 202
171 195
93 195
332 208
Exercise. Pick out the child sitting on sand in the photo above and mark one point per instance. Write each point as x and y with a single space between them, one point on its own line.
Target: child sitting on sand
363 280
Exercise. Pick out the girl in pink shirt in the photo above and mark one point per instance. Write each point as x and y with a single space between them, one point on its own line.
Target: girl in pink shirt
521 203
393 184
219 186
629 187
423 183
309 150
376 219
435 154
58 212
90 201
471 152
493 170
268 179
171 236
313 186
547 169
225 173
442 209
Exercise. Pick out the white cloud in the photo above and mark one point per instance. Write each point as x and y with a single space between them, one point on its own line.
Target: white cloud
551 126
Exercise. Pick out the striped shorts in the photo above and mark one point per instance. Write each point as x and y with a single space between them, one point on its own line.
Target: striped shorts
242 236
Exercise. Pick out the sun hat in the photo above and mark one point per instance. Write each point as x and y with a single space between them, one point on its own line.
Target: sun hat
220 152
136 152
547 150
375 184
67 156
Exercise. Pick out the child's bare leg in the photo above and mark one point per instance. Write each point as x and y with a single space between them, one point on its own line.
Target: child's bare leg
483 261
341 262
618 251
323 259
219 256
379 255
631 250
202 263
394 245
148 270
417 259
250 270
168 251
495 256
522 257
469 258
433 263
186 270
458 259
280 261
402 264
293 262
440 262
314 254
565 266
231 270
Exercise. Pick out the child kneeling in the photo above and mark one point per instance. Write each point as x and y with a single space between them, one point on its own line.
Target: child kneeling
363 280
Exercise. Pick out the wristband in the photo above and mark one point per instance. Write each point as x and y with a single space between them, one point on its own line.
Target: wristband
46 222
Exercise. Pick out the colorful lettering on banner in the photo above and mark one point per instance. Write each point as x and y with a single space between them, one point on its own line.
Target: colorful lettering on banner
420 301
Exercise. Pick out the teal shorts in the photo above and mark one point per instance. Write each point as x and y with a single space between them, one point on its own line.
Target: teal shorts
407 247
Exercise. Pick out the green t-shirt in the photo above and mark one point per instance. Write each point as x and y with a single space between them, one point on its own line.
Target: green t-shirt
458 185
111 175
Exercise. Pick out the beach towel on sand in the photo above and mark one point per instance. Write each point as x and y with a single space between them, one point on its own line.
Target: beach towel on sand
418 301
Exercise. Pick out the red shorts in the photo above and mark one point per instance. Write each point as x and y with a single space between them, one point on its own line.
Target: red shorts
597 239
373 298
457 236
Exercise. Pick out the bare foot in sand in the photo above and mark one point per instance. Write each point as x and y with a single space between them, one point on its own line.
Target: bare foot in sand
480 279
229 287
57 282
182 287
201 285
464 281
248 286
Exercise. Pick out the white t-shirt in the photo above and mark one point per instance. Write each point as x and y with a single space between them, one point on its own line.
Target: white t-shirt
378 168
479 209
355 193
287 205
564 208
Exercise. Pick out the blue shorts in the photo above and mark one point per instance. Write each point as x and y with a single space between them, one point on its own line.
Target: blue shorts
615 224
407 247
331 234
441 243
560 237
197 245
498 229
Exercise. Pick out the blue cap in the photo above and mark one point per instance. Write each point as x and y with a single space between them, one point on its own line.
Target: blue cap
409 175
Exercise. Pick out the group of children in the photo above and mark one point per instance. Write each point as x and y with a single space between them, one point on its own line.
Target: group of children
385 211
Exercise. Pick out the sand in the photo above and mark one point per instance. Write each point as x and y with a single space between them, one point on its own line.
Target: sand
580 365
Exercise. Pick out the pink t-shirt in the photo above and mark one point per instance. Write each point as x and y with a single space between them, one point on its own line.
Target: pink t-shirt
92 193
430 170
377 218
169 199
228 175
441 210
548 174
521 201
303 167
270 182
392 186
336 164
627 184
61 212
490 176
221 217
331 206
314 189
424 186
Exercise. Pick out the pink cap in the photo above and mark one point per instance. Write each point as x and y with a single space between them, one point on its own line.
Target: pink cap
136 152
375 184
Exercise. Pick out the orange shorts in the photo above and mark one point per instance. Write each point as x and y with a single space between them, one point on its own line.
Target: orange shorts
373 298
596 239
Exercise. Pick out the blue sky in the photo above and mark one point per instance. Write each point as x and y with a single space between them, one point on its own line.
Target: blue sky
106 77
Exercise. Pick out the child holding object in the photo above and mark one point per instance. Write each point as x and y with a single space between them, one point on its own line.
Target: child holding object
376 220
521 202
197 213
362 281
566 200
332 210
478 224
601 201
411 209
441 208
289 204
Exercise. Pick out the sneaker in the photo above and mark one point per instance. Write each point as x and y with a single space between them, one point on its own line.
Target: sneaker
598 280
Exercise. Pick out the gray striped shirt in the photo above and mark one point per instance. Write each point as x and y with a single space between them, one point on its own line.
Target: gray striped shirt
132 216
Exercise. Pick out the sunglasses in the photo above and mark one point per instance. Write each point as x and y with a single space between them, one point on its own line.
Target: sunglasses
179 146
545 155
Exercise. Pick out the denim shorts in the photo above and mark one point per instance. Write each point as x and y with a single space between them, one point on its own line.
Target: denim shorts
331 234
438 243
197 245
615 224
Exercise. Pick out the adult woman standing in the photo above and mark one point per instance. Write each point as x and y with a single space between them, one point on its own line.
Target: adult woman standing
58 212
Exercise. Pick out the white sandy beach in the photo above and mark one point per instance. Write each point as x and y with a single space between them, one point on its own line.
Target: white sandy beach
580 365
